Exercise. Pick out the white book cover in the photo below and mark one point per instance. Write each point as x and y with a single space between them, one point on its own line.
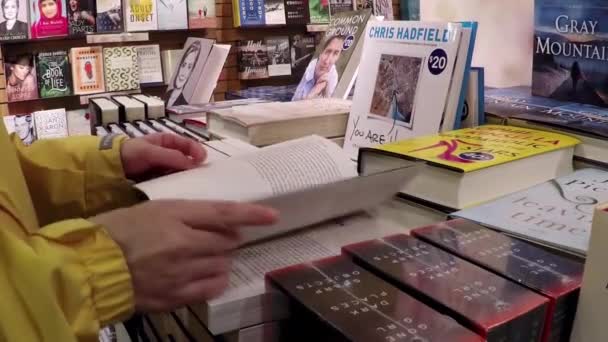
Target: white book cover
150 65
51 123
403 83
79 122
172 14
9 123
557 213
140 15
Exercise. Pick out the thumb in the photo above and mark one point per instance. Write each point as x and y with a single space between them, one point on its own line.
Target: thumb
166 158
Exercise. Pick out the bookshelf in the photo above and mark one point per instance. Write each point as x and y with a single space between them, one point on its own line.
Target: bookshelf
224 33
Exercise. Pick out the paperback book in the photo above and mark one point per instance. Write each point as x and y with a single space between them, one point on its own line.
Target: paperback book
555 277
274 12
110 16
51 123
253 59
279 61
494 307
141 15
79 122
334 66
14 20
570 61
296 12
21 80
341 301
24 128
149 64
201 14
48 18
404 82
87 70
557 213
339 6
120 68
383 8
250 13
172 14
318 11
302 50
81 17
54 76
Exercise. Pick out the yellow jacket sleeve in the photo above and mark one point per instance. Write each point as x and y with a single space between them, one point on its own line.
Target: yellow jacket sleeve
60 283
74 177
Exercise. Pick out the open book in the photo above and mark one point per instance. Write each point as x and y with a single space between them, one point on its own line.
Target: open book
308 180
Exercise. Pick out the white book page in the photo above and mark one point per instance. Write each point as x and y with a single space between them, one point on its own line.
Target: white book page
271 171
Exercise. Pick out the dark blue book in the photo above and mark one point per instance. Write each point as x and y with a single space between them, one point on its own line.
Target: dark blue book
571 50
252 13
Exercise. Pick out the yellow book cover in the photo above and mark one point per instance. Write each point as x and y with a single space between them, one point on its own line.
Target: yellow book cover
472 149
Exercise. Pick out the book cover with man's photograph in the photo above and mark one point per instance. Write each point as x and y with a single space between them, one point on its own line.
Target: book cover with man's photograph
570 42
81 17
252 59
48 18
302 50
54 77
329 64
13 21
109 16
21 80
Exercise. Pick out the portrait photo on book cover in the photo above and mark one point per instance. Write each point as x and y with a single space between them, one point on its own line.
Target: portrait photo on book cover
21 81
395 89
24 127
321 76
184 75
13 21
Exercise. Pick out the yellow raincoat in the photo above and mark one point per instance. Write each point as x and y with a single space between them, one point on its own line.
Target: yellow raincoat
61 276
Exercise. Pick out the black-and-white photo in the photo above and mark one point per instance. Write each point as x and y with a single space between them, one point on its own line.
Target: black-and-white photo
13 22
24 127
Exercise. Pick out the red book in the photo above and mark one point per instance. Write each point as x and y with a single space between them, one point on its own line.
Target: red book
492 306
556 277
341 301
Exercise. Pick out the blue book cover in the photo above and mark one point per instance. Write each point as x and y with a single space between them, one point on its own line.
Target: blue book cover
252 12
571 50
471 25
557 213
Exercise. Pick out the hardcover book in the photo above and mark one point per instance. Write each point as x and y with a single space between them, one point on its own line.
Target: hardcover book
172 14
494 307
253 59
24 128
120 68
14 20
9 123
87 70
362 4
109 16
457 161
570 51
51 123
149 64
383 8
48 18
339 6
318 11
404 82
140 15
302 50
341 301
279 61
201 14
333 68
555 277
79 122
250 13
274 12
21 81
54 76
296 12
557 213
81 17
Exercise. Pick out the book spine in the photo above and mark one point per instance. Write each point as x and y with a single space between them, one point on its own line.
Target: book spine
467 72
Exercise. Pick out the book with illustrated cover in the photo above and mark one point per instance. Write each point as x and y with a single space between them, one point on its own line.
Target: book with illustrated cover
87 70
21 80
201 14
172 14
253 59
250 13
302 50
120 68
318 11
14 20
404 82
555 277
54 74
296 12
334 66
150 66
141 15
274 12
455 160
279 56
48 18
50 123
557 213
81 17
341 301
570 44
110 17
490 305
